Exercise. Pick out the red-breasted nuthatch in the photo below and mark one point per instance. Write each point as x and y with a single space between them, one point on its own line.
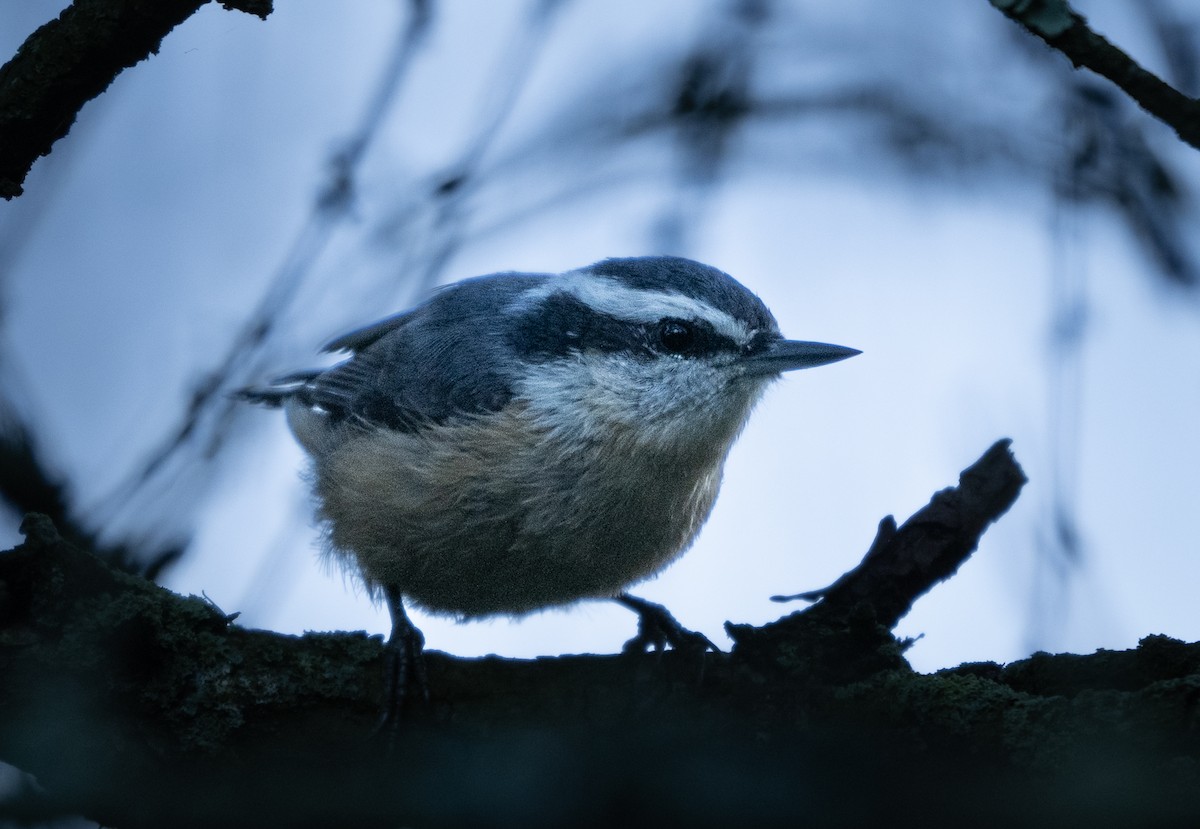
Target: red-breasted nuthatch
520 441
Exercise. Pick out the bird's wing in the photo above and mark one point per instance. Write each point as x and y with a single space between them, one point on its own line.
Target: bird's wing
444 359
361 338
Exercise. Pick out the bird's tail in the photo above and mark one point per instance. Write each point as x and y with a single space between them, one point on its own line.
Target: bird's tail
279 390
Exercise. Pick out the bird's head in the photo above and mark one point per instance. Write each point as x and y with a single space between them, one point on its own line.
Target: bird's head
664 350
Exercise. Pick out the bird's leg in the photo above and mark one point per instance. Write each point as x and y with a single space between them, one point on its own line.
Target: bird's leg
403 662
657 628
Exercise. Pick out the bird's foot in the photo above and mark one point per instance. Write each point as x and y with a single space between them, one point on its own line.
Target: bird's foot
404 675
657 628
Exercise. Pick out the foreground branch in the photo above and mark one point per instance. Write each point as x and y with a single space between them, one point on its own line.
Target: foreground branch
71 60
847 635
904 564
137 707
1055 22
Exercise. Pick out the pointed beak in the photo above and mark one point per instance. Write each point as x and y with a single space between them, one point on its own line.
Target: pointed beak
789 355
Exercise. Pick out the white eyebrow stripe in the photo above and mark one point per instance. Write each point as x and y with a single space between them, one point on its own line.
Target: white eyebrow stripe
609 296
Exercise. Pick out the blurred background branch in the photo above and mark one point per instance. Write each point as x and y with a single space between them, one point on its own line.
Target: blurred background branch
69 61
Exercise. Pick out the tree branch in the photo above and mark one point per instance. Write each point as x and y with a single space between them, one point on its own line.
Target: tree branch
140 708
847 634
904 564
69 61
1060 26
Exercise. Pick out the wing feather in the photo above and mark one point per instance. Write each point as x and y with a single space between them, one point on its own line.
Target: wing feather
447 358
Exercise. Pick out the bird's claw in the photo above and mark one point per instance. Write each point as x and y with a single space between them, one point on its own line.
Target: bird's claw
657 628
404 672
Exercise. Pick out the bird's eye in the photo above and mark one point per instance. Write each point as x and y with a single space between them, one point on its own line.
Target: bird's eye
676 336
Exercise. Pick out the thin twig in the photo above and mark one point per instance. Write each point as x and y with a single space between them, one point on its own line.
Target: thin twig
1060 26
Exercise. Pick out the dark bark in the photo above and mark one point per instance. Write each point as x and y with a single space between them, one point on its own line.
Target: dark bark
1055 22
137 707
72 59
903 564
847 634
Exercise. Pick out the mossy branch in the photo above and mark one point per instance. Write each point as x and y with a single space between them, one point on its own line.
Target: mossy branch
137 707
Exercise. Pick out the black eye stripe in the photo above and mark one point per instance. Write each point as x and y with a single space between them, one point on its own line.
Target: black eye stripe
690 338
563 324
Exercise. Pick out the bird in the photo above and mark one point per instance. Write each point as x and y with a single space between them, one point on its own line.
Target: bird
520 441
